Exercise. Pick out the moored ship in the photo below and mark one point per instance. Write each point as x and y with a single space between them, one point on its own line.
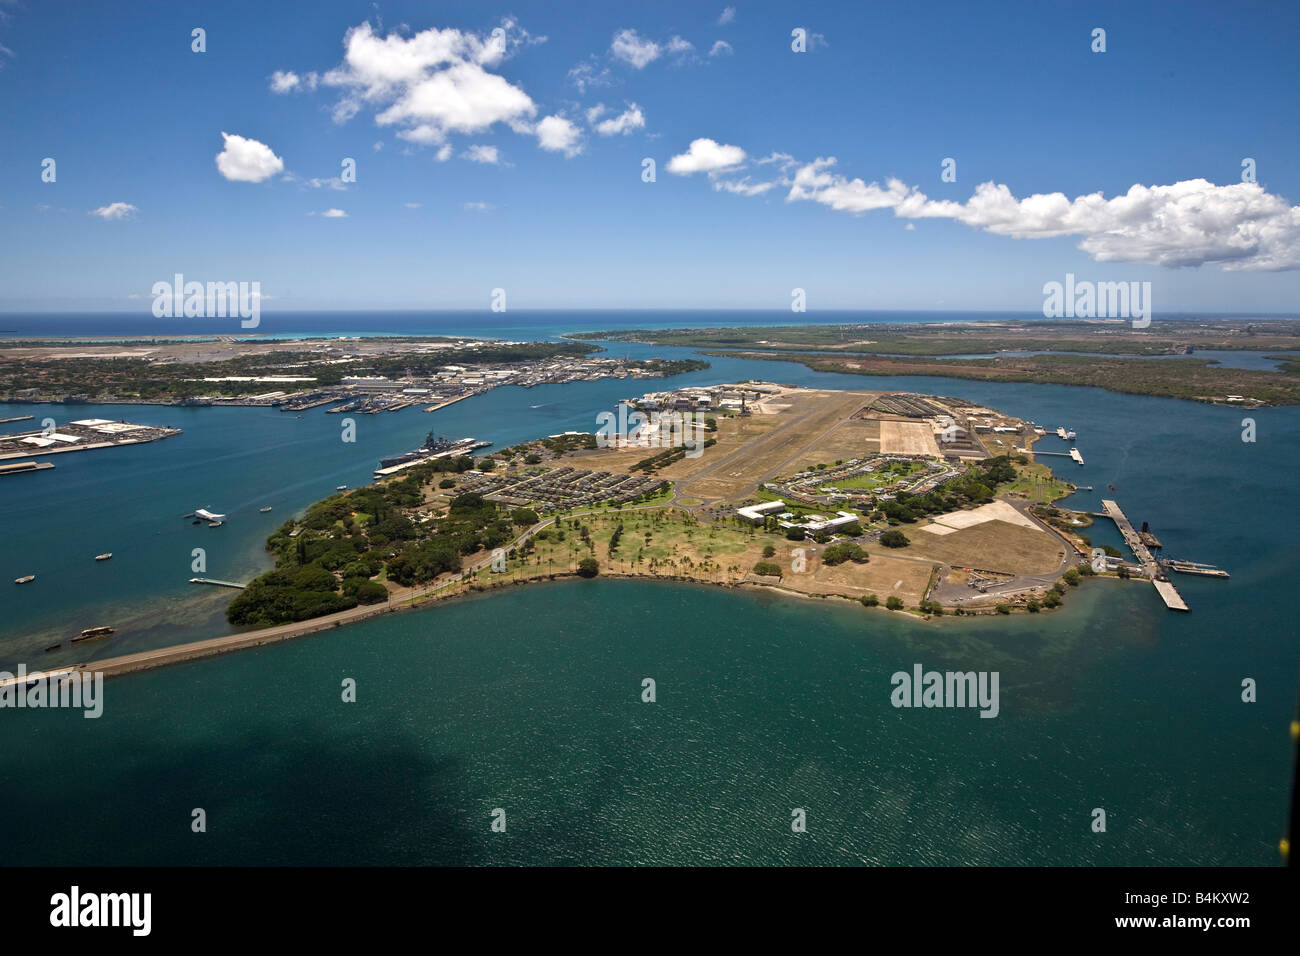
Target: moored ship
433 446
90 633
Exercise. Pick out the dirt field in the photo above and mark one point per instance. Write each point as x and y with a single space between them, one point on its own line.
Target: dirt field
908 438
991 545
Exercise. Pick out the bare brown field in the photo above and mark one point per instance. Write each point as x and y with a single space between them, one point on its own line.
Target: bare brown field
908 438
993 546
883 575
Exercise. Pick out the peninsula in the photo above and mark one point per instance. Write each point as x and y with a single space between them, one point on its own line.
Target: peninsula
920 504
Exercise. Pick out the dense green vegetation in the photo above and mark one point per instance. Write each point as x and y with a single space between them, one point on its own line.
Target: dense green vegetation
767 569
329 561
973 488
894 539
667 457
1162 337
1190 378
844 551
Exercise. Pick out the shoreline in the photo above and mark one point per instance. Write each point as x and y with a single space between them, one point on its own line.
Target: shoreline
139 661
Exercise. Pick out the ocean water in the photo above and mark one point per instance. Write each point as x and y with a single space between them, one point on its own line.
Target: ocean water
515 324
530 700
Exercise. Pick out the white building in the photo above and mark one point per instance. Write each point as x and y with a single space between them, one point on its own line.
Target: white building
756 513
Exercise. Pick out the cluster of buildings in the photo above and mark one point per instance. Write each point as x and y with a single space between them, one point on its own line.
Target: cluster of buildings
818 487
707 398
81 435
561 489
759 513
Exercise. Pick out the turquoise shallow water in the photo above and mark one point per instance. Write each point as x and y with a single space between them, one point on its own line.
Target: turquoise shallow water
763 705
529 700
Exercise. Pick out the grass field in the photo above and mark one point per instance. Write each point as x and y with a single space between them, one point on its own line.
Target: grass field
992 545
678 546
1036 483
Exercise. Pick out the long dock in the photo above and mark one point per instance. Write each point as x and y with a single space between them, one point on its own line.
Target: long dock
1150 567
224 584
19 467
450 401
85 435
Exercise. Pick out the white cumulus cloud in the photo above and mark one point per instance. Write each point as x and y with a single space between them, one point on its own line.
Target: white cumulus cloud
706 156
1190 223
728 16
559 135
488 155
287 81
432 83
633 49
630 119
720 47
742 187
244 160
115 210
334 214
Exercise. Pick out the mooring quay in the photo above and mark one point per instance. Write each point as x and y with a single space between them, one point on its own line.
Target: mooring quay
1150 567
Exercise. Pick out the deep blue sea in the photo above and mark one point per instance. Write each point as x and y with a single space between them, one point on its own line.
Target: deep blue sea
530 701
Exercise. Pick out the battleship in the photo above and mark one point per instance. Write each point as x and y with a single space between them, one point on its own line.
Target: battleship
433 447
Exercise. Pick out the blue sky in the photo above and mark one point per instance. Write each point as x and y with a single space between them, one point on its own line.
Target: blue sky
562 219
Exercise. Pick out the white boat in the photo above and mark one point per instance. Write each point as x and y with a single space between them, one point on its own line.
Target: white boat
214 524
104 557
264 510
25 579
341 488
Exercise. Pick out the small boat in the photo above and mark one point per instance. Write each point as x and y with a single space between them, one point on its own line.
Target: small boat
53 647
104 557
215 524
264 510
26 579
90 633
341 488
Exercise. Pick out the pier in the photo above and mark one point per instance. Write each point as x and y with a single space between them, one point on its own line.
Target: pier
19 467
1150 567
84 435
224 584
1073 454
